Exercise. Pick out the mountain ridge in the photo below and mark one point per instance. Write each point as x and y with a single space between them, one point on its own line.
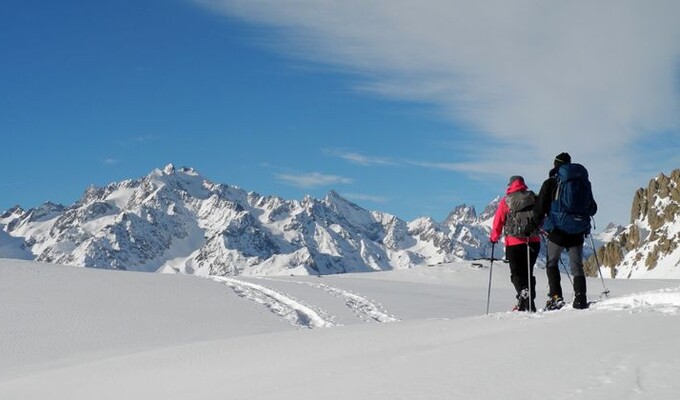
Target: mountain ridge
174 220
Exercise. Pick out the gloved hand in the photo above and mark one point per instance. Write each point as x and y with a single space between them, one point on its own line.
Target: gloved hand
494 241
529 231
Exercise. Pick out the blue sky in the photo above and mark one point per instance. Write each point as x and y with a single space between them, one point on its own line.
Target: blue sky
407 111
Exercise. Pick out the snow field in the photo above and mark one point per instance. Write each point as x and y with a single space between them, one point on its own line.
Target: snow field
73 333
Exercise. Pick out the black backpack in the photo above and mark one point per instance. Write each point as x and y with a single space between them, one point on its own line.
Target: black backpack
521 210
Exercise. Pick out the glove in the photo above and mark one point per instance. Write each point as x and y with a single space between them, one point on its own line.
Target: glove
529 231
493 241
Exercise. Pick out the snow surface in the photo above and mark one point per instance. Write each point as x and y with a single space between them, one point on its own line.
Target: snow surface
80 333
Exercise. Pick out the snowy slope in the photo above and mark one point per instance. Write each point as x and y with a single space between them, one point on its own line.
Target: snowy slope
11 247
72 333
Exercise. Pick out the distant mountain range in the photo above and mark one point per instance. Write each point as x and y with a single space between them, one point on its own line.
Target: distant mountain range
174 220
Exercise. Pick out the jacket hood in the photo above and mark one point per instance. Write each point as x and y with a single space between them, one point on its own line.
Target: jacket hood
516 186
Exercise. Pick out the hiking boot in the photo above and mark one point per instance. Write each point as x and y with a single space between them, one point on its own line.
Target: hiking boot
523 303
554 303
580 301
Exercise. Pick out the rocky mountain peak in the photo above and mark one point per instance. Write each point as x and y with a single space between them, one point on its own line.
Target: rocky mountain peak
462 214
12 212
653 236
333 197
346 208
658 202
46 211
170 173
490 210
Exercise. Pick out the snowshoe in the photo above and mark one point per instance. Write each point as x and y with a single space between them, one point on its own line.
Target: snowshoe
554 303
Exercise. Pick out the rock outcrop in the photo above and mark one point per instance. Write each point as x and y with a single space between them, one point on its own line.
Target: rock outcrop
653 236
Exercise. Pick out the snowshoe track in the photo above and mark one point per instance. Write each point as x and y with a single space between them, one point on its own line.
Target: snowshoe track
362 307
281 304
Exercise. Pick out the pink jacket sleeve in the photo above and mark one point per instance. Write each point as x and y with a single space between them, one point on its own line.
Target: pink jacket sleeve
499 221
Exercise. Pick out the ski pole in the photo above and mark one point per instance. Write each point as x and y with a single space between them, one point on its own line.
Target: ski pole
566 270
488 294
529 276
606 291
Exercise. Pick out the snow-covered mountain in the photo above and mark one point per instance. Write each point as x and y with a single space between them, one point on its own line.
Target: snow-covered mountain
649 247
174 220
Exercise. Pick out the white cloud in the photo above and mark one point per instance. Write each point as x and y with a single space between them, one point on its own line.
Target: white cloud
588 77
361 159
312 179
457 167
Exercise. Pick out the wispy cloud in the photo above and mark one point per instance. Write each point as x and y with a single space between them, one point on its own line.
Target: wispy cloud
588 77
438 165
110 161
312 179
464 167
360 159
366 197
480 170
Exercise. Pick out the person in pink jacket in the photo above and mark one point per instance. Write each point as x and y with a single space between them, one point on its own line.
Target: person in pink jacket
511 219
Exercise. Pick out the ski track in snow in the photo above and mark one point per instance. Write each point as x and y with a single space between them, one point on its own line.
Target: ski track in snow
281 304
364 308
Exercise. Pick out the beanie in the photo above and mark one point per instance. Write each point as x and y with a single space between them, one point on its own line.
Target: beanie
515 178
562 158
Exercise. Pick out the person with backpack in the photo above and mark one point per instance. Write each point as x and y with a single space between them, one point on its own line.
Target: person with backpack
564 207
513 214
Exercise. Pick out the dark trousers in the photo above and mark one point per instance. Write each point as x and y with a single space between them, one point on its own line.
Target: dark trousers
519 265
553 271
